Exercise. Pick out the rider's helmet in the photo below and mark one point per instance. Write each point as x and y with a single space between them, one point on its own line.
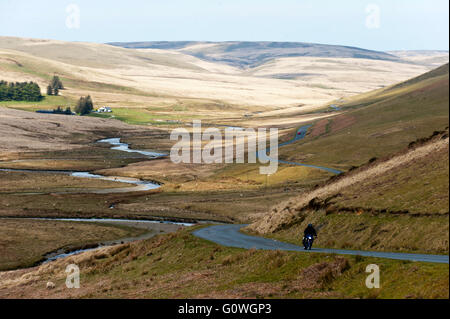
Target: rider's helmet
310 225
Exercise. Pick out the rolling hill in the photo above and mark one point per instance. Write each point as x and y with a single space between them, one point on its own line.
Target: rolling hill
395 197
425 57
377 123
250 54
171 76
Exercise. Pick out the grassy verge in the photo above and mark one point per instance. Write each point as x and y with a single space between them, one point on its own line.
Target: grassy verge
364 231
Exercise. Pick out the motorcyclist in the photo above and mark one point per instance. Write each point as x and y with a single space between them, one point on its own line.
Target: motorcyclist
309 231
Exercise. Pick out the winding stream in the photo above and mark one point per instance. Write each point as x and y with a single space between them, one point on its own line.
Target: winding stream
140 185
118 145
153 228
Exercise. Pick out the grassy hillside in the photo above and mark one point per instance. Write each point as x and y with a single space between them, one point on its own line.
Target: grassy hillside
397 200
377 123
183 266
398 203
425 57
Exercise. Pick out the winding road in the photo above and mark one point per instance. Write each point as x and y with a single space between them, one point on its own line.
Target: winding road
230 236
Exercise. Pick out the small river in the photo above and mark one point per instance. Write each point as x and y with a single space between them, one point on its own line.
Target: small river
152 226
140 185
118 145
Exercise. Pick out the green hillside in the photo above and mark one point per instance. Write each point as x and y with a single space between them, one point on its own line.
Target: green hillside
378 123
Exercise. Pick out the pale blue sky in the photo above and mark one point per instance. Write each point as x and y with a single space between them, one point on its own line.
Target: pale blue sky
403 24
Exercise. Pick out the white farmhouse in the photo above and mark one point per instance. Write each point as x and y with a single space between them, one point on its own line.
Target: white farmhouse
104 109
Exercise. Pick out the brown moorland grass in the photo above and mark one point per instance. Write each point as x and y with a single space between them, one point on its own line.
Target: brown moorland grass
23 182
22 131
241 206
25 242
174 75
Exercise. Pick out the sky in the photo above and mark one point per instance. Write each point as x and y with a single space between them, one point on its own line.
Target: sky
374 24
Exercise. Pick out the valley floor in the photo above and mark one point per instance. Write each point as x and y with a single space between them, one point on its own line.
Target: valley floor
392 196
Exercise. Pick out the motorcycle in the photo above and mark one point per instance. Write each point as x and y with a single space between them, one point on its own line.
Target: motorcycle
308 241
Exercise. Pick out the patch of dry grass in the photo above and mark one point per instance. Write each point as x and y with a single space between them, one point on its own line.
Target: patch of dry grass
23 182
25 242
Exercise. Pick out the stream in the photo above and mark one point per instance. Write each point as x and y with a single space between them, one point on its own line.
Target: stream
153 227
118 145
140 185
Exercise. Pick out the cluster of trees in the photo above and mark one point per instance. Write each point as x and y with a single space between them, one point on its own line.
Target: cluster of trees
30 91
54 86
59 110
20 91
84 105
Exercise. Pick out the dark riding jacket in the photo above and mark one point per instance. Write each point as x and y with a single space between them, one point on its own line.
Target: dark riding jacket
310 231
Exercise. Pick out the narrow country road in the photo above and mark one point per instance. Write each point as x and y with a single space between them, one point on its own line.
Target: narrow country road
230 236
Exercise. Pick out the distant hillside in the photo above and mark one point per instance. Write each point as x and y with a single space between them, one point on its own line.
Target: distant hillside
161 77
161 45
251 54
440 71
430 58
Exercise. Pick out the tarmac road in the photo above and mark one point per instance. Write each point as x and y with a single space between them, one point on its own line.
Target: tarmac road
229 235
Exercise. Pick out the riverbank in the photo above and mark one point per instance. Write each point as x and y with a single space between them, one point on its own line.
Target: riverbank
50 239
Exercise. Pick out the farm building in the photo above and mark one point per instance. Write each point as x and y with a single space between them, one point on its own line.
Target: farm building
104 109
